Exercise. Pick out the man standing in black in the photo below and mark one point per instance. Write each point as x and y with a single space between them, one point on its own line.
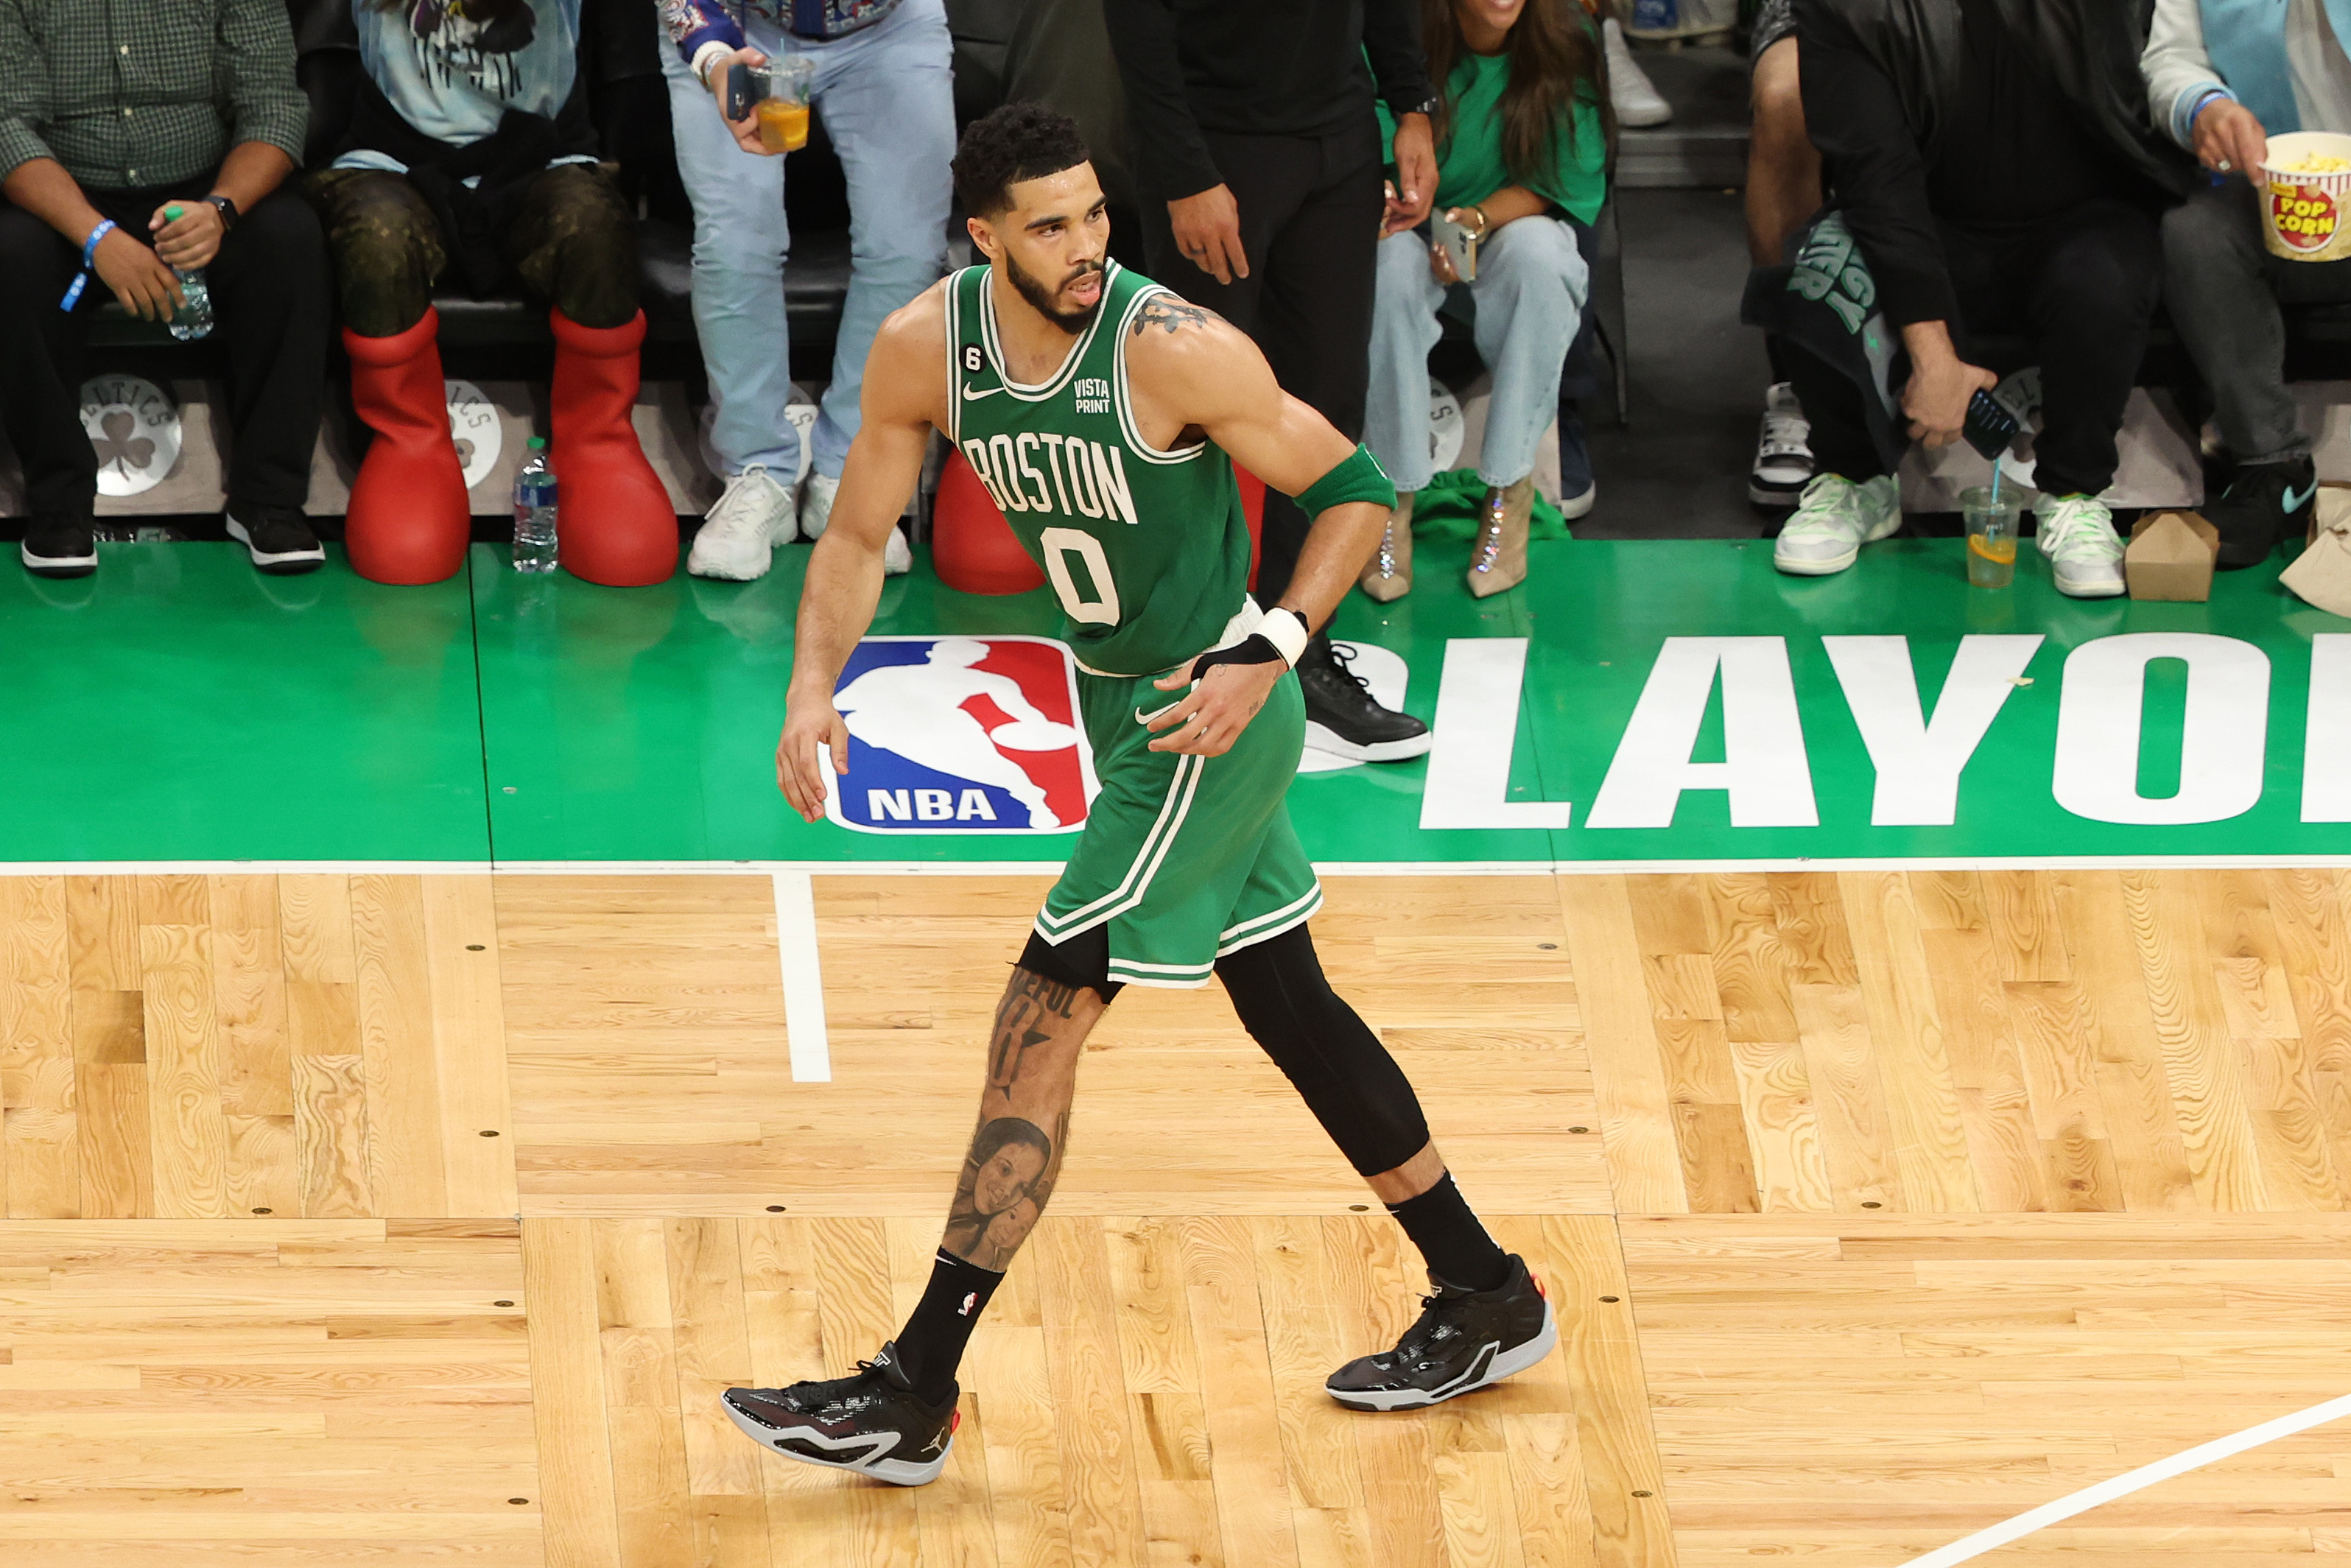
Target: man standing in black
1259 158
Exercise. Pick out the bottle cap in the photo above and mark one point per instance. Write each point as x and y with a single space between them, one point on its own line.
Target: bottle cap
539 444
175 211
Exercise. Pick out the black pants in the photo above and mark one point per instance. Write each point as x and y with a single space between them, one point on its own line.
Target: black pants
1309 219
269 297
2079 288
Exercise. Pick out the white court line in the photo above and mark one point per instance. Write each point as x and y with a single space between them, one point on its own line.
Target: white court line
803 979
2088 1498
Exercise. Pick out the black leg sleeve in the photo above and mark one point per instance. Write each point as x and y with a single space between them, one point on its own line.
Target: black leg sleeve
1340 1068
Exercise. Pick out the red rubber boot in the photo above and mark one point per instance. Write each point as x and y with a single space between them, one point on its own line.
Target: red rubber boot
615 525
408 517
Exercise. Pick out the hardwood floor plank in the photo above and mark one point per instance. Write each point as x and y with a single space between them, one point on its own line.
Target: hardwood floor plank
1906 1029
187 1130
40 1164
393 987
469 1032
567 1373
1622 1478
1628 1073
2143 1128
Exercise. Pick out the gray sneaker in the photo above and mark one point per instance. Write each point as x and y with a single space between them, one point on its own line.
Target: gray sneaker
1835 517
2086 554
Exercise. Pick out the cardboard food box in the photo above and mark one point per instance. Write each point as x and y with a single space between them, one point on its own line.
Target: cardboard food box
2170 557
2332 509
2321 574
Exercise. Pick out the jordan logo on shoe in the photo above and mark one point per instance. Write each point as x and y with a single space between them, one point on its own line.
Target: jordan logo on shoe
2294 500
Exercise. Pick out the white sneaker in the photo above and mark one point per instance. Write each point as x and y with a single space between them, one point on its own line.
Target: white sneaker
815 504
1784 451
739 534
1573 506
1833 519
2086 554
1630 91
897 556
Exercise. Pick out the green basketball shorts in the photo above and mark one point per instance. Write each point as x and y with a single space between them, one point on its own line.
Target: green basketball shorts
1184 858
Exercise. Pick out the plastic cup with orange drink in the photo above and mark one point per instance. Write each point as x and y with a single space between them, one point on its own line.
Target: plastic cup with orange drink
782 111
1991 535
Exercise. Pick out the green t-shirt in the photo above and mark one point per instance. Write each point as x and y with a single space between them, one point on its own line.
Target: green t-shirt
1469 167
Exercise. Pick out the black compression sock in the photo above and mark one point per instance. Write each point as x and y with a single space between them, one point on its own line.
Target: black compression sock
1451 1239
931 1344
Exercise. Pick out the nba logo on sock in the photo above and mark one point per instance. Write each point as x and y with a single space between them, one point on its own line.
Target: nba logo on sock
970 1299
961 734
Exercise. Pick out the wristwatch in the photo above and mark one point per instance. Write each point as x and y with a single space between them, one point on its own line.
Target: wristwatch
227 212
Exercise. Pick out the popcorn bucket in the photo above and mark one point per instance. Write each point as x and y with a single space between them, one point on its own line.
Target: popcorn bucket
2306 197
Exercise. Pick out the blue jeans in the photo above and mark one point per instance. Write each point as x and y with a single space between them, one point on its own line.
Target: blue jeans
1530 292
888 104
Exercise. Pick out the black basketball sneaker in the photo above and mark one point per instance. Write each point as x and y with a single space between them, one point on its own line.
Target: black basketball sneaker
1463 1340
873 1422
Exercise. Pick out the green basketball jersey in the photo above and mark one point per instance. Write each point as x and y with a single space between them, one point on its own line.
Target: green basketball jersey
1147 551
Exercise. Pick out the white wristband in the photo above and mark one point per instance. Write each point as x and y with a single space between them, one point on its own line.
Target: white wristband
1288 633
706 56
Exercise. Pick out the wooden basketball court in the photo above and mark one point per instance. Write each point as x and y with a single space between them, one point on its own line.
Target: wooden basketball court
378 1219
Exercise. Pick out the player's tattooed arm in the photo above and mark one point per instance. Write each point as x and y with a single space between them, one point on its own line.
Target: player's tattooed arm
1171 314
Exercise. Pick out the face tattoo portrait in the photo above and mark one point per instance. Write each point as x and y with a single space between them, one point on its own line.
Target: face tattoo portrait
998 1198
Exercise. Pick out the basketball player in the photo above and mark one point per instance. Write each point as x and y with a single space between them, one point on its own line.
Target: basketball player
1101 410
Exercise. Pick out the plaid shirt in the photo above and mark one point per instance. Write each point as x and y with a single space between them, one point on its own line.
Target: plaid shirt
133 93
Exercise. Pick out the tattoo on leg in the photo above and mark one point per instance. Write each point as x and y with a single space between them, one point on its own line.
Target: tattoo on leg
1165 311
1007 1177
1014 1160
1029 1001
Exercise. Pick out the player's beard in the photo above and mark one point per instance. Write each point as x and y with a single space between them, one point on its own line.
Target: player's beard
1041 298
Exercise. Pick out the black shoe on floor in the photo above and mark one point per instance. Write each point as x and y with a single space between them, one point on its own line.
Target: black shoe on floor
1463 1340
60 544
2265 502
278 538
874 1423
1343 718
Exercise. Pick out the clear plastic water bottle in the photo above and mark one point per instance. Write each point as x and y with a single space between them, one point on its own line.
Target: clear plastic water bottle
194 318
534 541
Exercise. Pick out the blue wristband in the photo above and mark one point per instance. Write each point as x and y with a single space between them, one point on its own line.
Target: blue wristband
88 259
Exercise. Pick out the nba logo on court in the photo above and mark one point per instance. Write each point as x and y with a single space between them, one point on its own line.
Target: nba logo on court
961 734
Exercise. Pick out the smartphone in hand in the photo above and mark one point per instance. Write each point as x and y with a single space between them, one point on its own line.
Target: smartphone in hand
1989 428
1458 242
746 86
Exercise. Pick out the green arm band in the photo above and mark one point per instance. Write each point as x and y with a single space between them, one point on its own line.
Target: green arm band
1357 478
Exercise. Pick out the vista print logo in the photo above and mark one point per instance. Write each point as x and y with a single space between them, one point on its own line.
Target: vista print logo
961 734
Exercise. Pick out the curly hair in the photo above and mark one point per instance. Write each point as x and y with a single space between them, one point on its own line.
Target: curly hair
1018 142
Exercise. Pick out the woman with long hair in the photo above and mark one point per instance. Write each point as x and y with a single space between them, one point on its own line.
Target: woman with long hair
1523 133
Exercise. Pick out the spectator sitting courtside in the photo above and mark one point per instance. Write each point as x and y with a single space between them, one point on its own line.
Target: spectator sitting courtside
884 91
109 114
1522 154
470 145
2222 79
1994 162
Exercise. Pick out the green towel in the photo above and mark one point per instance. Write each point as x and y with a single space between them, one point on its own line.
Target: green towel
1449 508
